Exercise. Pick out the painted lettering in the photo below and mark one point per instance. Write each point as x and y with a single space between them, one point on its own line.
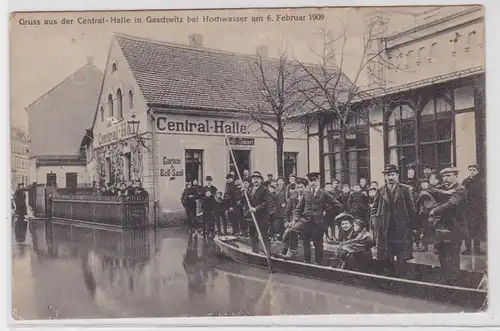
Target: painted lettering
203 126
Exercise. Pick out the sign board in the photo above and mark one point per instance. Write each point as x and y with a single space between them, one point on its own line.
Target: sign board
166 124
241 141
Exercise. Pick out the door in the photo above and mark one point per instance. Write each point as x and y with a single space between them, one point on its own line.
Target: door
242 158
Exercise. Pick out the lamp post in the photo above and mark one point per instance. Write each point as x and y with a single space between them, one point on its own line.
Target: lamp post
133 128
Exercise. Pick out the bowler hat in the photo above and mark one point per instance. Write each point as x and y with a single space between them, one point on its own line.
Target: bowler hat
257 174
448 171
390 168
344 217
229 176
313 175
208 178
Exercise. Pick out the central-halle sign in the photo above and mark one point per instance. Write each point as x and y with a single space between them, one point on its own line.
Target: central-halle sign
163 124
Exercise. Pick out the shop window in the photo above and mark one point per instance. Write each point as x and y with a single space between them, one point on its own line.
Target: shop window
290 163
51 179
194 165
71 179
356 153
119 104
102 113
433 137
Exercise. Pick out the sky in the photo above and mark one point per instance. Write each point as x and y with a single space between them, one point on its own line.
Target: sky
44 55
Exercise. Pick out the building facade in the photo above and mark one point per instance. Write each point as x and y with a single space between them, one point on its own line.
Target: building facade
429 111
57 120
185 99
19 157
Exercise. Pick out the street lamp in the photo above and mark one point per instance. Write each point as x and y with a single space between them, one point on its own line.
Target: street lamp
133 128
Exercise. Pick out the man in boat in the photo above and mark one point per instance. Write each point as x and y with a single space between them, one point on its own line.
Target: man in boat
355 252
448 221
258 196
393 216
230 203
309 218
290 235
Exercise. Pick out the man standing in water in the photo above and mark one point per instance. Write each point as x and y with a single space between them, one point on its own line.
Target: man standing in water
393 214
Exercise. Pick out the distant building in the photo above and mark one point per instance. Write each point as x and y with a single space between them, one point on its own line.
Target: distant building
432 104
57 122
19 156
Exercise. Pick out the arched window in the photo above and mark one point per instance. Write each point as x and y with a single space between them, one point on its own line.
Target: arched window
114 67
421 56
110 106
422 136
119 104
471 40
102 113
432 52
410 59
130 99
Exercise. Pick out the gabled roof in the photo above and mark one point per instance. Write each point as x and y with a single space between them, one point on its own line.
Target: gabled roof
58 119
180 76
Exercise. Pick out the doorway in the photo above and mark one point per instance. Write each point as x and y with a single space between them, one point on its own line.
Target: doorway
242 158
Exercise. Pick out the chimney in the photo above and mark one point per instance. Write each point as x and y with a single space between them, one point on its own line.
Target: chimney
90 59
196 39
262 51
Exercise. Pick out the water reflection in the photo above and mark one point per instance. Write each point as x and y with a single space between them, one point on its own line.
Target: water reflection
166 273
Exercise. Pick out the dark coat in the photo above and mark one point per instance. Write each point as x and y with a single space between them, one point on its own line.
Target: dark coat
20 201
189 197
476 206
279 203
212 189
209 207
230 196
451 208
291 204
403 214
310 208
260 201
344 201
358 204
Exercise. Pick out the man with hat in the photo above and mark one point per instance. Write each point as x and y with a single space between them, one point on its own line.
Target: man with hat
209 186
258 196
20 202
292 179
230 203
476 209
269 180
393 215
309 218
449 216
290 235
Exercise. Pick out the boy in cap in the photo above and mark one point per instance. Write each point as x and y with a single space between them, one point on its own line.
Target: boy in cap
209 186
393 215
291 183
476 210
309 218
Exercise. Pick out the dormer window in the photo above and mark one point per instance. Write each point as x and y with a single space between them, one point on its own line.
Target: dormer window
114 67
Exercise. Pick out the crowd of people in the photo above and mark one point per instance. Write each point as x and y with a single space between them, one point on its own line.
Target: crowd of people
388 222
132 188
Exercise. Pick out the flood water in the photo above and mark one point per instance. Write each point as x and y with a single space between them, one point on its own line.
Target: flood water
66 272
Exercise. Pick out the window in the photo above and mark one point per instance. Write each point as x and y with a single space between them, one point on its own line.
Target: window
422 137
71 180
110 106
119 104
127 166
410 59
194 165
290 163
114 67
421 56
471 40
432 52
108 170
51 179
102 114
130 99
356 151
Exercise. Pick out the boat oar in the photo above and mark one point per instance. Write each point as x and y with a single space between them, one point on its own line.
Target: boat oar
249 205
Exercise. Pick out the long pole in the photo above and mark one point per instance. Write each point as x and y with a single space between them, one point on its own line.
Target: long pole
249 205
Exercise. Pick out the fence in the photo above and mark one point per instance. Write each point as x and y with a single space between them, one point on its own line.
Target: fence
118 211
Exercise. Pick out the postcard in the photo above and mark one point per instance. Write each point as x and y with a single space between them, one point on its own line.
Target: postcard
167 163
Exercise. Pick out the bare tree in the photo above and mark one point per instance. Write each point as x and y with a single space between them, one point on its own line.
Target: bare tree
329 91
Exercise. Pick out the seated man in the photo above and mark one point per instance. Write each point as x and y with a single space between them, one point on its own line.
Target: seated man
356 252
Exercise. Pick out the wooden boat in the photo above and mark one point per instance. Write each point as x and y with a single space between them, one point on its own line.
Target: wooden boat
421 281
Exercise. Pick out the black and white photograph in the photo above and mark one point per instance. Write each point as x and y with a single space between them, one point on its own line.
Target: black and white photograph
248 162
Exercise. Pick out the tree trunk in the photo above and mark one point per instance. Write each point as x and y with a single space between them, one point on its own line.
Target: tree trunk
344 171
280 139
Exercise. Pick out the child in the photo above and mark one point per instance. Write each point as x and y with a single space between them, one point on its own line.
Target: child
209 206
344 197
219 214
363 183
424 185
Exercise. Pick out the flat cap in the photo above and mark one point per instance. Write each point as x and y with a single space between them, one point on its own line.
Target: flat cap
449 170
